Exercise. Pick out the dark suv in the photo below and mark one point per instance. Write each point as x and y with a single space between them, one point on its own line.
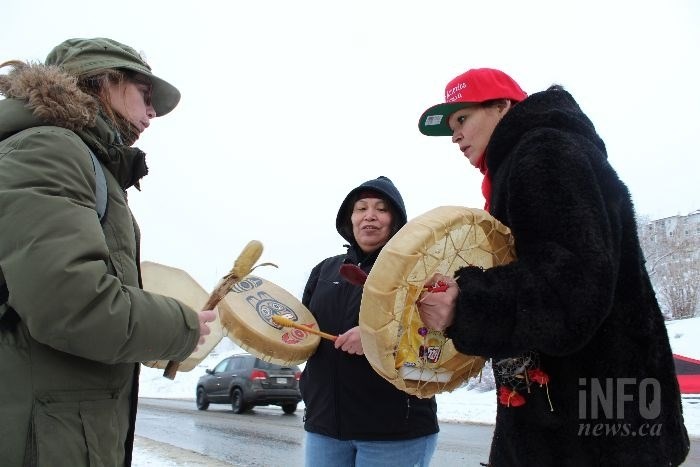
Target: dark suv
246 381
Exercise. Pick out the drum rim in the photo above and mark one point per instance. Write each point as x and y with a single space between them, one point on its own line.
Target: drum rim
216 328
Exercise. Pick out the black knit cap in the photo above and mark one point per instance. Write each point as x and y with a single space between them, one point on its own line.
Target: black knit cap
382 185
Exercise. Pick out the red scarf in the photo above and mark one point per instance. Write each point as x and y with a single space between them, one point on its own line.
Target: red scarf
485 183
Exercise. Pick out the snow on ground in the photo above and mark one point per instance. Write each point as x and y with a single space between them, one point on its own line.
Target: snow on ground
684 335
458 406
149 453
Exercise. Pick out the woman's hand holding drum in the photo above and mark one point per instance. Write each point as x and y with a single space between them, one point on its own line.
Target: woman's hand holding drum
437 309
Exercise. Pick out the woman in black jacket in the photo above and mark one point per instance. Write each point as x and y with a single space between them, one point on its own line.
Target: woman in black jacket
353 416
580 352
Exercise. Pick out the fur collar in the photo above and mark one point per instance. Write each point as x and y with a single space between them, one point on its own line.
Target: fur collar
45 95
554 108
51 95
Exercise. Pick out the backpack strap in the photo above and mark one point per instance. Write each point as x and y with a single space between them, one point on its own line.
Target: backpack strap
100 186
4 293
8 316
100 207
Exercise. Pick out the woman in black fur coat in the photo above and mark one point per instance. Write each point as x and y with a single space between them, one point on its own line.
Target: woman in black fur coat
579 347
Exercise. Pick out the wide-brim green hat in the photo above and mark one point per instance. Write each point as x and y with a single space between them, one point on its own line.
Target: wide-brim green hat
81 56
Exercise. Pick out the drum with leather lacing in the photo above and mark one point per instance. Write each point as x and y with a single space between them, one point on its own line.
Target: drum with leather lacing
415 359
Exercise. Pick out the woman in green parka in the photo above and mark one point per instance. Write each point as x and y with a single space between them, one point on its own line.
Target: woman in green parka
74 321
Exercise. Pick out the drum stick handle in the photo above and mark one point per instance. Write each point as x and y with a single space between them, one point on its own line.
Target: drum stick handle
281 320
244 265
215 297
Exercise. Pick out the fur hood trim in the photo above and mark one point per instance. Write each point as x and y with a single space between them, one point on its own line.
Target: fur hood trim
51 94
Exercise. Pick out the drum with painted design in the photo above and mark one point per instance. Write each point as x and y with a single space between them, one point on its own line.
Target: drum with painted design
248 321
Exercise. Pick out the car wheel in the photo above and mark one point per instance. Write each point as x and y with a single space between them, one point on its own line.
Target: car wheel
237 401
202 401
289 408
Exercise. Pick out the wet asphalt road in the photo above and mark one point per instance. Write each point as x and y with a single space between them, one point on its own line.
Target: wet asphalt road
266 436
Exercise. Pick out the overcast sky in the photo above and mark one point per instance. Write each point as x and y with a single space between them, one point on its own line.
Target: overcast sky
287 105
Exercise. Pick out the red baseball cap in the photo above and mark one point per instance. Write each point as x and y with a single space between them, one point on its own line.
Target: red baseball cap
474 86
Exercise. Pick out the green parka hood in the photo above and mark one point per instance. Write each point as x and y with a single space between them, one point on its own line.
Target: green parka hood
38 95
51 96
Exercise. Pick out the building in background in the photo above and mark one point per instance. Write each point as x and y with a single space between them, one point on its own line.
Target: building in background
672 250
676 227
